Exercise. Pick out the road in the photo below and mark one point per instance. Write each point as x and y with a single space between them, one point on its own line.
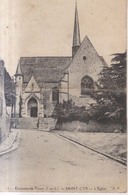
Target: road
46 162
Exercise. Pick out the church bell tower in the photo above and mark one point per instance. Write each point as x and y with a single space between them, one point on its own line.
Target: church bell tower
76 33
19 82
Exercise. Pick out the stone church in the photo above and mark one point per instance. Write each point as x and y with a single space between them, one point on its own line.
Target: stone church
42 82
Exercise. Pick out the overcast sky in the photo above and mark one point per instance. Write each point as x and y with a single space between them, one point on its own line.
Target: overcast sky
45 27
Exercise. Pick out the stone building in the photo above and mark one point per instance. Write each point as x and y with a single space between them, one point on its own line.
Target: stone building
4 117
41 82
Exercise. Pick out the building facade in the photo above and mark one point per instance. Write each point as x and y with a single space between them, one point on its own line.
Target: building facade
4 117
42 82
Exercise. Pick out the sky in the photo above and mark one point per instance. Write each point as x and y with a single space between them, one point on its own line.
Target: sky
45 28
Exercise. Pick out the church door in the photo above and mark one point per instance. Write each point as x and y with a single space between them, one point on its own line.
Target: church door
33 107
33 112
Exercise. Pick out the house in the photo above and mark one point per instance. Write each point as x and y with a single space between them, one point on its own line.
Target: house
4 117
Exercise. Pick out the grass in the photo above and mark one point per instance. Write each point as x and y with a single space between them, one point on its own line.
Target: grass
114 144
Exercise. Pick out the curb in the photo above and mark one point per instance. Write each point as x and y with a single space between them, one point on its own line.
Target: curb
95 150
11 147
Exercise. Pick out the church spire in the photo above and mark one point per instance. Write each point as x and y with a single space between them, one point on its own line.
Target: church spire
18 71
76 34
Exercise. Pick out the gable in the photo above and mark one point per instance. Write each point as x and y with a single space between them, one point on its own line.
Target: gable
87 61
32 86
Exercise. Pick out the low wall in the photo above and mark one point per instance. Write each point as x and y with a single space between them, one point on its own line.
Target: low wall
47 124
92 126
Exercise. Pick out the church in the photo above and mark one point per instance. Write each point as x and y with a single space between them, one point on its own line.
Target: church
42 82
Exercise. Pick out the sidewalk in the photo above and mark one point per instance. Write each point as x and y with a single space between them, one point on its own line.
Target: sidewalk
10 143
112 145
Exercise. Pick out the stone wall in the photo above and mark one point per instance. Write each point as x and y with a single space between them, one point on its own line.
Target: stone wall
4 117
92 126
86 62
47 124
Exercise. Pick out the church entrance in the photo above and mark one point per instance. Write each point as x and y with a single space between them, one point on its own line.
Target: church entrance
33 112
33 107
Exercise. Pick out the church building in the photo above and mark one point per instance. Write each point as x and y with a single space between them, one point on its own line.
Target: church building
42 82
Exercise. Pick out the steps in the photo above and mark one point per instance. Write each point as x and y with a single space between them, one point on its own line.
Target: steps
24 123
43 124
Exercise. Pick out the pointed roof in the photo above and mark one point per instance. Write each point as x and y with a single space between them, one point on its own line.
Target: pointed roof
88 51
88 48
76 34
18 70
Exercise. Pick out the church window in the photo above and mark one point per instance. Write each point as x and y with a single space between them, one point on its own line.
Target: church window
87 84
55 94
84 58
32 86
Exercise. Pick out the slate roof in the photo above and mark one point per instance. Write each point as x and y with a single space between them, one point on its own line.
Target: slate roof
44 69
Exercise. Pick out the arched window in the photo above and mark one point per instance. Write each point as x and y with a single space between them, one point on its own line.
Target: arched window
55 94
87 84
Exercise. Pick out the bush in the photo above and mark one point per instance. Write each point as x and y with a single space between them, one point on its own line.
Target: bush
68 112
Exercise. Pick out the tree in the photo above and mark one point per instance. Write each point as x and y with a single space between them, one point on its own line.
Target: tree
67 111
9 87
111 93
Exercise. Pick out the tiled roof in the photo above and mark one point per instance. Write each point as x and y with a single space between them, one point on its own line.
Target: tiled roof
44 69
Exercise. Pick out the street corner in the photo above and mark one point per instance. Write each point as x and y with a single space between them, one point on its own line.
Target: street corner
16 139
11 142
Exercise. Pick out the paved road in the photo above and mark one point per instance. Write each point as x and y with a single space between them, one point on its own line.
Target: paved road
46 162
